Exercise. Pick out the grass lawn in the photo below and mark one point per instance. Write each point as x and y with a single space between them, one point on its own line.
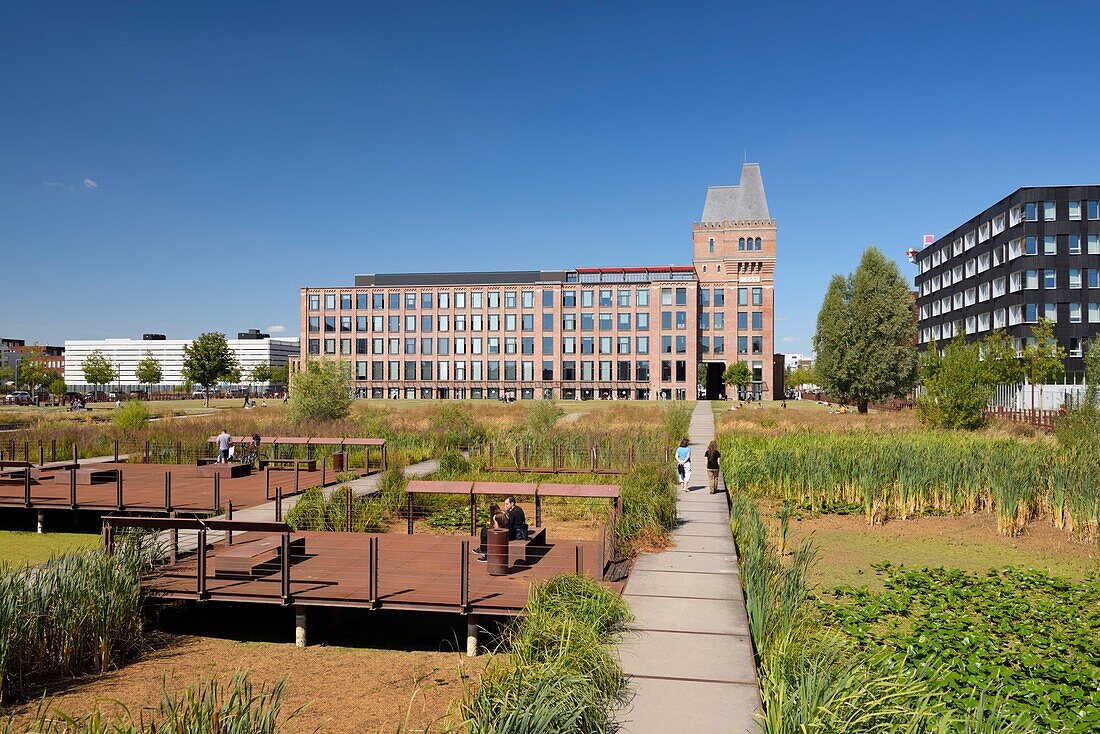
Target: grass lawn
18 547
847 547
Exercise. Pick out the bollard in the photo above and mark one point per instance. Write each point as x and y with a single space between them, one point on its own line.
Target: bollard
300 626
471 636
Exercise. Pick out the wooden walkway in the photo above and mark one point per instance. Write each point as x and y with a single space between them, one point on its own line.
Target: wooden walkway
154 488
410 572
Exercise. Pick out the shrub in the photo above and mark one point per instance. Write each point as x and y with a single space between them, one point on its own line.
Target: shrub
676 421
542 416
321 391
131 416
309 512
649 506
452 464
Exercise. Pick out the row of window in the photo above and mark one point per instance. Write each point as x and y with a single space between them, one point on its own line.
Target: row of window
1027 212
1025 313
1046 278
1020 247
743 244
623 370
526 322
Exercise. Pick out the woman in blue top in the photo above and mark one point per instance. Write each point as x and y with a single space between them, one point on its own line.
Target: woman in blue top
683 464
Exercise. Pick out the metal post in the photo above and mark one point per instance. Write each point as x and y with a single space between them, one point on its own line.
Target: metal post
278 504
179 452
116 450
267 482
174 538
324 463
27 486
217 492
168 491
473 514
578 559
372 572
229 516
538 509
146 451
53 449
600 551
72 488
76 454
41 453
27 451
409 510
118 488
109 538
285 567
200 571
347 527
295 477
41 521
464 578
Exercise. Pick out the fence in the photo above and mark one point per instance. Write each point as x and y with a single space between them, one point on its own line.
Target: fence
1037 397
1038 418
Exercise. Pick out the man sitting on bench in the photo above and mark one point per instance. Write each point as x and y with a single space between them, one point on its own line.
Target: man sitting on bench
497 521
517 520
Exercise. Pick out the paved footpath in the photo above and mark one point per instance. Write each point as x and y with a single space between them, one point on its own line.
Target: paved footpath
688 653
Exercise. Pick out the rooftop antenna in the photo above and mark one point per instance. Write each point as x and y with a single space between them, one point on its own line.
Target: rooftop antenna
746 155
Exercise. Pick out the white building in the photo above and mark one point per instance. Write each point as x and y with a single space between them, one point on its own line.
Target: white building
125 354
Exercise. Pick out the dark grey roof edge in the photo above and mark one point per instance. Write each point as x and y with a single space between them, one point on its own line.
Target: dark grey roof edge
518 277
744 202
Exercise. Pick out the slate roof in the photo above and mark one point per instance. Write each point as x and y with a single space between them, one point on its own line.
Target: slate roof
738 203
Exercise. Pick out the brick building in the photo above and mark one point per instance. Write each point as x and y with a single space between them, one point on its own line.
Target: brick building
629 333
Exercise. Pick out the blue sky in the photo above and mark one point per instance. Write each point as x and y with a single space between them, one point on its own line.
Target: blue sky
185 167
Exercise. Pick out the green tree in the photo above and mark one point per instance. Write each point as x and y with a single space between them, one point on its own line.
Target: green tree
98 370
7 375
739 374
207 360
57 386
1079 428
131 416
321 391
866 334
261 373
148 371
279 375
999 359
33 373
957 389
800 376
1044 357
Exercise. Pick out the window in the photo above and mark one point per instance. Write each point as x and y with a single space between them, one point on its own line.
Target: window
758 243
741 244
719 297
588 322
983 262
1075 346
1074 243
1050 245
1031 246
410 300
998 224
710 245
345 323
758 296
426 345
527 345
641 345
314 324
1075 211
641 321
1048 211
1094 210
641 298
624 299
719 320
742 345
1094 313
641 371
330 323
330 301
587 370
527 322
569 345
742 320
666 370
704 296
666 345
624 322
588 299
622 345
758 345
330 346
681 297
426 299
719 345
527 299
547 298
569 322
1075 313
1015 215
605 322
666 320
983 292
605 298
681 319
492 299
704 344
1050 278
1074 277
704 320
378 301
742 296
1092 278
1094 244
681 345
588 345
1031 212
314 301
314 346
605 345
510 369
757 320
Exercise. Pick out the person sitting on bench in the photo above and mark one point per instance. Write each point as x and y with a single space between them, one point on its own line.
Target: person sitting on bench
494 510
497 521
517 520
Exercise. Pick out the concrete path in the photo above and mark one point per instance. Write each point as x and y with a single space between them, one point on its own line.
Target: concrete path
688 653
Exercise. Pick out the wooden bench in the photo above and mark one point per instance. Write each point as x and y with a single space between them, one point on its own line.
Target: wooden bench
241 559
87 475
303 464
518 549
232 471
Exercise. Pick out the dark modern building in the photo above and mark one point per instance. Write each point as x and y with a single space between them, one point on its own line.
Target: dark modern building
1034 254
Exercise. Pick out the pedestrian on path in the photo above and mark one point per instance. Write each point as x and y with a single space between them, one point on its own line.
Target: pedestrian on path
224 442
683 464
713 466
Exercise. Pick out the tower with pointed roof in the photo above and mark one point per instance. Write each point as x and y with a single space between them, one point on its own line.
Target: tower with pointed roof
734 258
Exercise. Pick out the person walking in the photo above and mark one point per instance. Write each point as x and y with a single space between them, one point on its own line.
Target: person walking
713 465
683 464
224 441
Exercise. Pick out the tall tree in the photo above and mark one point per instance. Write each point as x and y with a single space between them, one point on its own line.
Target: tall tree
149 371
999 360
279 375
1044 357
208 359
866 334
260 373
98 370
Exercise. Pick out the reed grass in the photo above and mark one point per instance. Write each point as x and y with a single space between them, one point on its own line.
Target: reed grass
75 614
559 674
901 475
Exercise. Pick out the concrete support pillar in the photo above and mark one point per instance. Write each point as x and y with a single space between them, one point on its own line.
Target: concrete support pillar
471 636
41 521
300 627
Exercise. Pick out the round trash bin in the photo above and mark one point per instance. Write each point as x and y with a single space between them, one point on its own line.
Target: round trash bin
339 461
496 551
